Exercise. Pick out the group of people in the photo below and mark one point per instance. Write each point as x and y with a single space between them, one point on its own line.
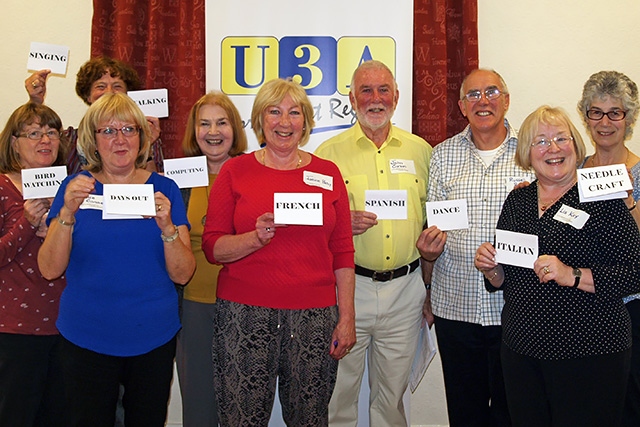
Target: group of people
94 305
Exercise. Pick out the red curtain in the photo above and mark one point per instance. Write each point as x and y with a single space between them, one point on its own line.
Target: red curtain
445 50
165 42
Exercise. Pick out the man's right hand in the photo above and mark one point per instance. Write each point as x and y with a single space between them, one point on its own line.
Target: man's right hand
36 86
361 221
431 242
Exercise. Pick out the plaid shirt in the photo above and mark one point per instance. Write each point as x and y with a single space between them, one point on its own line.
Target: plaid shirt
458 172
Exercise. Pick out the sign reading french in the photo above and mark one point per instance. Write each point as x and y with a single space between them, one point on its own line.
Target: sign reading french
297 208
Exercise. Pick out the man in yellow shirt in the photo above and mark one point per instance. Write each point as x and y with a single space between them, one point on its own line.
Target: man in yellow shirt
375 155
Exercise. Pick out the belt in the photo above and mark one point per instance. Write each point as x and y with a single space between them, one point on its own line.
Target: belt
385 276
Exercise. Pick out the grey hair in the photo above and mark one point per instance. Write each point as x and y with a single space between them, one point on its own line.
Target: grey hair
372 64
504 89
612 84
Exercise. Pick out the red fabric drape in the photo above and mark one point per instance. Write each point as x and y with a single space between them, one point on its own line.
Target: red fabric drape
165 43
445 50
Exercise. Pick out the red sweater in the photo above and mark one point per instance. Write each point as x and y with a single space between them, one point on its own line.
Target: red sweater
28 302
296 269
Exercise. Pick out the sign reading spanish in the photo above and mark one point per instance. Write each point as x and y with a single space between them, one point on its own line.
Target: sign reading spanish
386 204
152 102
48 56
40 183
129 199
297 208
448 214
603 183
187 172
516 248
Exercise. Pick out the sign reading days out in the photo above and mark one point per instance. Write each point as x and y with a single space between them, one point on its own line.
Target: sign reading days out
152 102
297 208
603 183
51 56
129 199
40 183
448 214
516 248
187 172
386 204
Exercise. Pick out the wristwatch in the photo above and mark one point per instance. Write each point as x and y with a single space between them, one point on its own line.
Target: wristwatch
577 273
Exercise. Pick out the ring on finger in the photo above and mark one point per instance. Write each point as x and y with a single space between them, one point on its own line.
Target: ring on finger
159 207
34 84
268 229
546 270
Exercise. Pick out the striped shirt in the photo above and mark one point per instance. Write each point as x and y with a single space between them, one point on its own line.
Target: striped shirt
457 171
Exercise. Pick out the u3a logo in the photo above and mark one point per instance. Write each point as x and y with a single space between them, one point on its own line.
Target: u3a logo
321 64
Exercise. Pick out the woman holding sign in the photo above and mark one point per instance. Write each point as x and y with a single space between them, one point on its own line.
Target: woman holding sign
31 387
566 336
276 314
609 108
214 130
119 312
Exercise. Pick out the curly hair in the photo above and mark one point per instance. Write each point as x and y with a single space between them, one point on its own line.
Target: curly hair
95 68
612 84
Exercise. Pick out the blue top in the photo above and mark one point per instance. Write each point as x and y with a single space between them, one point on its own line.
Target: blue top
119 299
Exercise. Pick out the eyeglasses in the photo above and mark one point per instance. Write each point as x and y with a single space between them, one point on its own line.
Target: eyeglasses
111 133
544 144
613 115
476 95
37 135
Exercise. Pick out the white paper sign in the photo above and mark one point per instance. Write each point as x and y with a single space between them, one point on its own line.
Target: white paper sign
448 214
297 208
516 248
187 172
424 355
40 183
51 56
386 204
152 102
603 183
129 199
574 217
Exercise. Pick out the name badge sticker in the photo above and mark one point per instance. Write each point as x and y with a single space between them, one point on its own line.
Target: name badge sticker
402 166
297 208
51 56
93 201
574 217
315 179
448 214
129 199
188 172
152 102
40 183
386 204
512 181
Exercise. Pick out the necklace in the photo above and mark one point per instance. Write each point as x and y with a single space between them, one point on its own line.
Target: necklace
545 206
594 164
297 164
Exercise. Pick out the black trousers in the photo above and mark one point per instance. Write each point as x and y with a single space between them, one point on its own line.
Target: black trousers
31 381
92 382
631 414
474 385
587 392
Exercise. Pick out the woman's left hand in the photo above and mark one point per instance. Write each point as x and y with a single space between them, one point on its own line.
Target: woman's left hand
163 214
343 339
549 267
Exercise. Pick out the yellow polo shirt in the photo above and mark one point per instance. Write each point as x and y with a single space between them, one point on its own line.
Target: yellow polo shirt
391 243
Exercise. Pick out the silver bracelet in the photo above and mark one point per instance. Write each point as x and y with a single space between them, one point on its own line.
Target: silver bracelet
171 238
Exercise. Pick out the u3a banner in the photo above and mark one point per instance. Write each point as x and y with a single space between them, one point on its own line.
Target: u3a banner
323 65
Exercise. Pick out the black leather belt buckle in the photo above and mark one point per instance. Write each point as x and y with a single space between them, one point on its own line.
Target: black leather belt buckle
382 276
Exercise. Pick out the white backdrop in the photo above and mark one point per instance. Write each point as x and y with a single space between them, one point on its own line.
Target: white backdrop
276 35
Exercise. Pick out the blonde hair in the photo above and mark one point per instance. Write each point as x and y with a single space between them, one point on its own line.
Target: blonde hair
108 107
272 93
552 116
